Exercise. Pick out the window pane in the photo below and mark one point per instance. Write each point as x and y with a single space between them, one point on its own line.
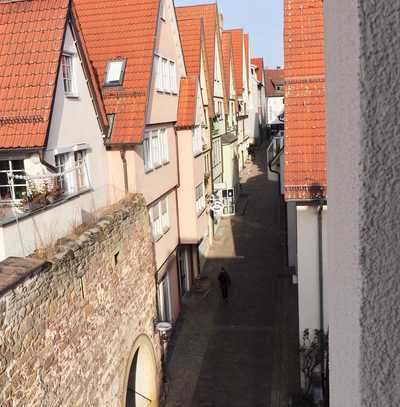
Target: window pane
5 193
164 206
67 72
114 71
3 178
20 192
166 81
19 181
164 143
146 153
4 166
17 164
156 212
81 170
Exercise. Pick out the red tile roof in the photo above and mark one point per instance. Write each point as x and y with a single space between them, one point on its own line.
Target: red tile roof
247 55
31 36
237 42
274 77
305 151
227 53
209 14
187 102
117 28
259 63
193 45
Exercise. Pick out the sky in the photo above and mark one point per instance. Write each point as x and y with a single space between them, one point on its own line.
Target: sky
262 19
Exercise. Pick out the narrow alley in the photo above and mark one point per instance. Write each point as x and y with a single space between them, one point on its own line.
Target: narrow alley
242 353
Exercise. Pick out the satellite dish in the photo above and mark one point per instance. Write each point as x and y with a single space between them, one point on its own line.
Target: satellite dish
163 327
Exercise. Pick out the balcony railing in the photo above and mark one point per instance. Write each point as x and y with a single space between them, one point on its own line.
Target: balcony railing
40 191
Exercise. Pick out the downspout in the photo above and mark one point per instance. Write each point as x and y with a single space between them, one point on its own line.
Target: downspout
321 299
125 167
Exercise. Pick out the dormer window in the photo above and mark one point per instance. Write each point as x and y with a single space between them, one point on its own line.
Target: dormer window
115 72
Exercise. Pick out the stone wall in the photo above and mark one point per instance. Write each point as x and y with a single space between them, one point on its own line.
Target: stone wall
68 332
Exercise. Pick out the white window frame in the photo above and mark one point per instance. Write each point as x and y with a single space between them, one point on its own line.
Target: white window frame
68 71
200 199
165 75
118 81
74 171
159 218
155 149
216 152
164 299
197 140
12 185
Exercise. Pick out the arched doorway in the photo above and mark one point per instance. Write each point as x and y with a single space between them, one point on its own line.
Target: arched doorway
141 387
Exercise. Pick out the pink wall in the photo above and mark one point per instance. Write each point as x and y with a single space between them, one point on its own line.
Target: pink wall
191 169
162 106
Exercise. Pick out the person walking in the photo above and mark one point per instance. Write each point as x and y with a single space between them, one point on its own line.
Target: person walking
224 283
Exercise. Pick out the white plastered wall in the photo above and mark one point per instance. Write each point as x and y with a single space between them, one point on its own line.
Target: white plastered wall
308 267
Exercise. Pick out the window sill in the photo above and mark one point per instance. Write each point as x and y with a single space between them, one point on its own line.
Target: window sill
169 93
155 168
156 239
72 96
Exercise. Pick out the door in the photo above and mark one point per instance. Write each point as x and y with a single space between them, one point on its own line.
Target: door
164 300
184 269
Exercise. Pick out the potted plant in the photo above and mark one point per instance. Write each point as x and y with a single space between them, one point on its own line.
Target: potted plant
53 194
34 199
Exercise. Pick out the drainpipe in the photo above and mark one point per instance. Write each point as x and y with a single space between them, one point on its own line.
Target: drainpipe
321 299
123 158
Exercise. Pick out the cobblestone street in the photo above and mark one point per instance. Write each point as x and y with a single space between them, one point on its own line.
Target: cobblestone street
241 353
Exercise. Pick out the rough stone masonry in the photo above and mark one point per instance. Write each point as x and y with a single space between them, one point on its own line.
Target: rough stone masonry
68 328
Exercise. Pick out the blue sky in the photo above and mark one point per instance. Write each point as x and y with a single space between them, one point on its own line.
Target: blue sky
262 19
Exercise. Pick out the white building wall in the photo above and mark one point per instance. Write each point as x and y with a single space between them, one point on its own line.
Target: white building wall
275 108
308 267
74 121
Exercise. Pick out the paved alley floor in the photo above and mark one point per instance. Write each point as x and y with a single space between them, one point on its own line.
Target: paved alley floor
241 353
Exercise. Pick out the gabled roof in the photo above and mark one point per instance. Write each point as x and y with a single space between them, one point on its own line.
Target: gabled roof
274 77
193 44
227 52
305 126
120 29
259 63
31 37
187 102
237 42
209 14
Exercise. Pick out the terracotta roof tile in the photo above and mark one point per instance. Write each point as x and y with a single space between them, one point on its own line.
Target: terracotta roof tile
305 150
117 28
31 35
227 53
237 43
246 53
209 14
259 63
274 77
193 44
187 102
